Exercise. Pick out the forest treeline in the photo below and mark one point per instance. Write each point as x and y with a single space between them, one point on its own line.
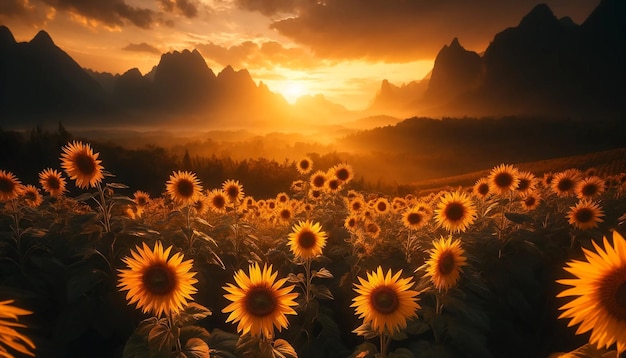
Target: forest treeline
26 154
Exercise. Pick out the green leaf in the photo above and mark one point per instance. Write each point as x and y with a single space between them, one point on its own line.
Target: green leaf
295 279
204 237
84 197
322 273
283 349
322 292
136 347
202 221
188 332
161 338
117 186
193 312
401 353
365 330
196 348
519 218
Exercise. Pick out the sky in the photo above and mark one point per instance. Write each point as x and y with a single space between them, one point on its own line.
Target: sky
342 49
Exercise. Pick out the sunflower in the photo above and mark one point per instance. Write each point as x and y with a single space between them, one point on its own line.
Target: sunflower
565 182
397 204
184 187
372 229
527 183
52 181
141 198
455 212
414 218
481 188
201 205
304 165
318 180
585 215
333 185
343 172
307 239
385 301
503 179
356 205
259 302
32 196
285 213
233 190
82 165
382 206
157 282
445 264
590 187
217 201
530 201
9 337
351 223
282 198
599 288
10 186
315 194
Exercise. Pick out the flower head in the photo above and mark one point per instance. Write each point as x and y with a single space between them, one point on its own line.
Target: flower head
446 262
455 212
183 187
9 337
307 239
52 181
10 186
585 215
82 165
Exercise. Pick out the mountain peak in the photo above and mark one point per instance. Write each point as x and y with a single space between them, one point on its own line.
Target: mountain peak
455 43
6 37
42 38
540 16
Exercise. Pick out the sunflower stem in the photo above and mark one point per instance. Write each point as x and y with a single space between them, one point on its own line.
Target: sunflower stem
307 287
103 208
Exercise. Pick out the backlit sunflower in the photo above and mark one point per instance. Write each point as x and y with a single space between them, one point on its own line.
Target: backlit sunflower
156 282
455 212
233 191
527 183
82 165
415 218
259 302
9 337
590 187
304 165
599 288
356 205
284 213
52 181
218 201
307 239
585 215
141 198
32 196
445 264
382 206
315 194
564 183
351 223
530 201
481 188
318 180
385 301
503 179
201 205
282 198
184 187
343 172
372 229
10 186
333 185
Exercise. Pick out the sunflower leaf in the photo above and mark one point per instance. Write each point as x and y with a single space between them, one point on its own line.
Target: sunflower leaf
322 292
193 312
322 273
160 338
401 353
117 186
84 197
202 222
283 349
365 330
518 218
292 278
195 348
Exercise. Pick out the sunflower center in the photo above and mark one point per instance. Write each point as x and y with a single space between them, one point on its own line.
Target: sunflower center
454 211
612 291
232 191
414 218
523 184
503 180
584 215
85 164
185 188
159 279
53 183
285 214
6 186
260 302
342 174
333 184
30 195
141 201
219 202
372 228
565 184
530 201
356 206
483 189
307 239
446 263
384 300
318 181
304 164
589 190
381 206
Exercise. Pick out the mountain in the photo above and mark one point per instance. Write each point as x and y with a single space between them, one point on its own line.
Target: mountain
542 66
37 78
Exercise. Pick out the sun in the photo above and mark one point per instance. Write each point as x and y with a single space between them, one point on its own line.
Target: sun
292 90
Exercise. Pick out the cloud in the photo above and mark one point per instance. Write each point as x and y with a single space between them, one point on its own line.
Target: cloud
404 30
188 8
266 54
113 13
270 7
142 47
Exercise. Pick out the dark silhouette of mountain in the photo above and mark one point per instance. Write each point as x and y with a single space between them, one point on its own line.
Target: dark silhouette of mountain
542 66
40 79
396 100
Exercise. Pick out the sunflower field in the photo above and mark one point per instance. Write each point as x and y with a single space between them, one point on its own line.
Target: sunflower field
517 265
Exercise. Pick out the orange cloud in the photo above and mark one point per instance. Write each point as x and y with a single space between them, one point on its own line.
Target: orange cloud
406 30
142 47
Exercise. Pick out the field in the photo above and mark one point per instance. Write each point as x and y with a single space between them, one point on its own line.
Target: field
465 266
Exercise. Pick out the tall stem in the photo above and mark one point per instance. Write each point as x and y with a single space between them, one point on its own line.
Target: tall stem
104 209
307 288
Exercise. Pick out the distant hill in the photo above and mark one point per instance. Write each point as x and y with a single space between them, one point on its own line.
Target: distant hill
543 66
